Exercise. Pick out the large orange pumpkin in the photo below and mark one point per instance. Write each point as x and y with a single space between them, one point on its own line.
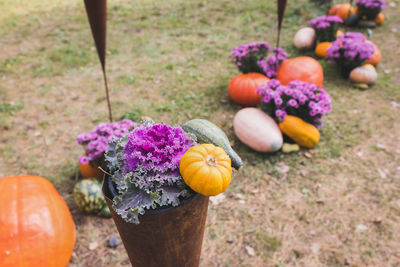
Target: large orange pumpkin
376 56
341 10
36 227
305 69
243 88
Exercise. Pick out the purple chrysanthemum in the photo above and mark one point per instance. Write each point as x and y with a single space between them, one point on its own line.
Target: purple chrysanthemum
370 8
252 58
350 50
96 141
326 27
273 62
304 100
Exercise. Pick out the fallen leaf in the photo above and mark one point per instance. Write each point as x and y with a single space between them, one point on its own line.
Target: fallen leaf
308 155
250 251
315 248
93 245
361 227
218 199
381 173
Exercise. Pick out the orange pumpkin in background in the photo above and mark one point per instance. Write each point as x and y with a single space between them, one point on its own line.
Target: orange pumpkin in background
341 10
36 227
305 69
90 170
243 88
376 56
320 49
379 19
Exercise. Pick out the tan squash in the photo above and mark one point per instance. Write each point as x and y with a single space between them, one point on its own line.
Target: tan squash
364 74
303 133
304 38
257 130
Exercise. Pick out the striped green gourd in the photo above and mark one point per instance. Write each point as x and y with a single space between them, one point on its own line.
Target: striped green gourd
89 198
208 132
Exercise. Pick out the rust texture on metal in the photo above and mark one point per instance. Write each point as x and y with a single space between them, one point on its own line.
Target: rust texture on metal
281 12
97 14
169 238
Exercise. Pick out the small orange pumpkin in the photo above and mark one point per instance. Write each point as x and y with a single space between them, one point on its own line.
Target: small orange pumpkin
90 170
341 10
320 49
379 19
243 88
303 133
206 169
36 226
376 56
305 69
338 33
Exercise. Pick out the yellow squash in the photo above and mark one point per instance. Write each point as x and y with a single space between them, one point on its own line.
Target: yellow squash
206 169
303 133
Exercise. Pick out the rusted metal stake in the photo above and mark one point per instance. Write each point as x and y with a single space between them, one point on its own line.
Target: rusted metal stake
97 14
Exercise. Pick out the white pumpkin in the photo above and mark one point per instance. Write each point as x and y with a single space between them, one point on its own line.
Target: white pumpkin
257 130
304 38
364 74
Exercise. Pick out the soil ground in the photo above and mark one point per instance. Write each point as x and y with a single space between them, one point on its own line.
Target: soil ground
335 205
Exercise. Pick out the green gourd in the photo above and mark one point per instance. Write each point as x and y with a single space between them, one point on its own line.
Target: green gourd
89 198
208 132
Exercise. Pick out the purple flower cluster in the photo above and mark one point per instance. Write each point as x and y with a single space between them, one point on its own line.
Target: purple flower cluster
350 50
372 4
157 150
96 141
301 99
326 27
370 8
259 49
252 58
324 22
271 65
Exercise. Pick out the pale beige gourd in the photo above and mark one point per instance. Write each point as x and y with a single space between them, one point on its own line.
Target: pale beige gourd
304 38
364 74
257 130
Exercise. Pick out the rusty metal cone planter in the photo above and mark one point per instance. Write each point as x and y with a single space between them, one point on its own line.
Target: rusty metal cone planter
170 236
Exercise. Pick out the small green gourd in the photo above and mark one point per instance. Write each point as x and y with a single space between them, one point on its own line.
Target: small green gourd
89 198
208 132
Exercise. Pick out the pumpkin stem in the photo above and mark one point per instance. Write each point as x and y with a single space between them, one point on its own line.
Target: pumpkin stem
211 160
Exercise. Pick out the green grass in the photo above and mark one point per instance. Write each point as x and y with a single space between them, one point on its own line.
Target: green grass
169 60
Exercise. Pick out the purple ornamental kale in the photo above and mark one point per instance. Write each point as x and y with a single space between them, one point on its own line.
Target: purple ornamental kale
145 169
157 150
370 8
349 51
96 141
301 99
326 27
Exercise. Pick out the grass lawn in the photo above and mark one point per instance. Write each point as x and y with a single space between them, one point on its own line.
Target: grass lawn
339 204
